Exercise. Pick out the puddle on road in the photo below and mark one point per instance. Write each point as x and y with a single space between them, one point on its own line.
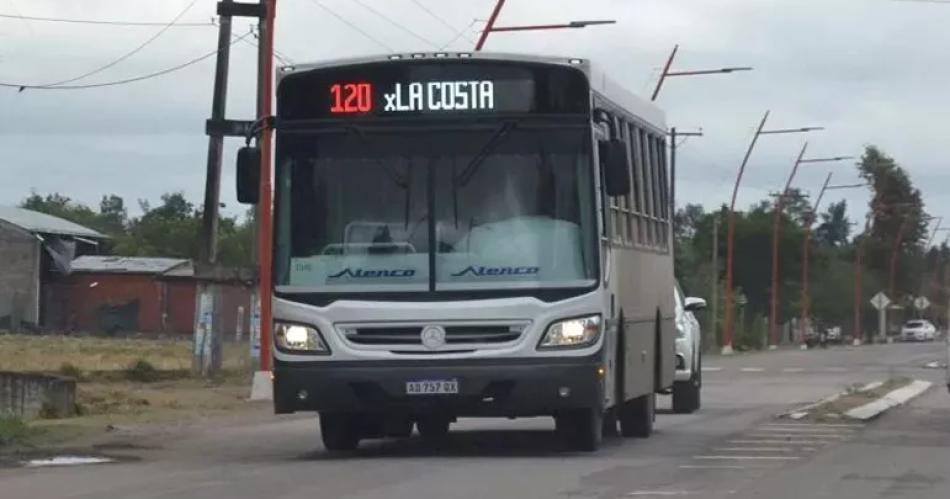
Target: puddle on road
66 461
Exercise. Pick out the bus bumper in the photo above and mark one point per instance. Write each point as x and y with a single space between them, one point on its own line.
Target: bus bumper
496 387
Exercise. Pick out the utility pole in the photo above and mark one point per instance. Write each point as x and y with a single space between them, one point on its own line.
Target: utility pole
209 217
674 134
776 228
207 340
715 279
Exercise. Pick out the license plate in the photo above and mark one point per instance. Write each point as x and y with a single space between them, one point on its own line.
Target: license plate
432 387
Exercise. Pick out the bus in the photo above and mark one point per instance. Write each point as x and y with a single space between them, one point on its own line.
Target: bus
468 235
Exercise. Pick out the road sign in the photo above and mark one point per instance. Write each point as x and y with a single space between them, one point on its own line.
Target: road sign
880 301
921 303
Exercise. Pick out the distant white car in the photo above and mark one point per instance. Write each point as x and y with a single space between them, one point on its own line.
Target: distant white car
918 330
688 381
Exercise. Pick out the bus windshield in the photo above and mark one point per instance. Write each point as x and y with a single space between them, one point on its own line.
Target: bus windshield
400 209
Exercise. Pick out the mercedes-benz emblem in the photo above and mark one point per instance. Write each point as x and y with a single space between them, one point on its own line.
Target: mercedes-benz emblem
433 337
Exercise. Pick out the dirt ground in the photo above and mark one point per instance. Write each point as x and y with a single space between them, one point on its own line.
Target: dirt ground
112 397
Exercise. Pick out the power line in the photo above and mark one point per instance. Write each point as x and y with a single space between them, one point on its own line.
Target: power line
283 59
105 22
437 17
132 52
395 24
352 26
155 74
460 34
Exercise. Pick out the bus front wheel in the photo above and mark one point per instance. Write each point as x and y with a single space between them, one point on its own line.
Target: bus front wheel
339 431
581 429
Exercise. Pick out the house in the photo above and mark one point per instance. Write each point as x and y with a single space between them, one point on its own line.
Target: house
115 294
33 247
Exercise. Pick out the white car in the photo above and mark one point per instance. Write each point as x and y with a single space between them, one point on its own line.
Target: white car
918 330
688 381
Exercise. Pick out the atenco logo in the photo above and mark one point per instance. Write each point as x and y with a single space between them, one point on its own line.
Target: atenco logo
479 271
367 273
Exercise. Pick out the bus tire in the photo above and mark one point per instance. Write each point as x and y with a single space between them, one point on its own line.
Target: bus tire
339 431
637 415
581 429
433 428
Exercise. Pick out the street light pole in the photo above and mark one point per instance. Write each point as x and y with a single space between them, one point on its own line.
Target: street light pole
729 313
667 73
806 250
776 231
776 228
491 28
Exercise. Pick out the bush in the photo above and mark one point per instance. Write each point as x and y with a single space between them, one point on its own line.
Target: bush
12 430
70 371
141 370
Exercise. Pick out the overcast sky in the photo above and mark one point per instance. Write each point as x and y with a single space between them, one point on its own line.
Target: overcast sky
871 71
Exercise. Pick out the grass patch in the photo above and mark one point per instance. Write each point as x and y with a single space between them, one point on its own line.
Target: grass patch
142 371
13 431
49 353
71 371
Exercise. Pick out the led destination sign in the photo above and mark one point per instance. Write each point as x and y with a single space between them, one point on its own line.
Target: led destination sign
429 89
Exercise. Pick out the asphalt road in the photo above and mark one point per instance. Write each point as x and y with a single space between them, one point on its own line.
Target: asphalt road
733 447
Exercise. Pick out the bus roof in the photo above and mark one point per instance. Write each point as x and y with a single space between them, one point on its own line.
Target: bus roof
599 82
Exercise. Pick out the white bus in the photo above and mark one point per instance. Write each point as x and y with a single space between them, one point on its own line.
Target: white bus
468 235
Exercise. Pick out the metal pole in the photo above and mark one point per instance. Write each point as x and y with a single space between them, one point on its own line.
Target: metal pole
776 231
209 218
666 71
489 25
730 243
806 251
859 267
265 207
715 279
673 173
894 252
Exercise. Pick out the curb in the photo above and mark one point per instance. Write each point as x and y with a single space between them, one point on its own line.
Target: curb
892 399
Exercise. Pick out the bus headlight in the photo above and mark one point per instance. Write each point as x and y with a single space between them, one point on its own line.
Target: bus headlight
576 332
297 338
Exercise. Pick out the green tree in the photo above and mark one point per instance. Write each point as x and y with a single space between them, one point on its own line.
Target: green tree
835 226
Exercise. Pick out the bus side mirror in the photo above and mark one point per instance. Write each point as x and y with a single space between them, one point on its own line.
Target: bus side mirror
248 175
613 159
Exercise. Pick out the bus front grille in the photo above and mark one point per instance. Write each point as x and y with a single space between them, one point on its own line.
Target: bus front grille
399 336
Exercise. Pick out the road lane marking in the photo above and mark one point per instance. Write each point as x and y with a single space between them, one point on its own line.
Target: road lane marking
793 370
770 441
711 369
752 369
748 458
815 431
662 493
812 425
764 449
796 435
711 467
835 370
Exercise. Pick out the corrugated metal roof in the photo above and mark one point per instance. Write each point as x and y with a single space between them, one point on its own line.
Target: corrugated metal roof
35 221
127 264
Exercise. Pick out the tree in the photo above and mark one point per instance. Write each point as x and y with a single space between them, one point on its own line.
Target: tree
835 226
899 219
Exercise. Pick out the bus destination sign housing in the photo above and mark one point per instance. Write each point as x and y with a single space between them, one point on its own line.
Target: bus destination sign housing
428 88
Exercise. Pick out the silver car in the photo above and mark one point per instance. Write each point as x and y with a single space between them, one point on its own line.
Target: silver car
689 377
